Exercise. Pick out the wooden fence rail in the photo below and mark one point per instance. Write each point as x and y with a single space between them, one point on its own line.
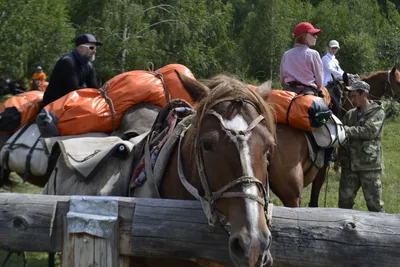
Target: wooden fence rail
172 228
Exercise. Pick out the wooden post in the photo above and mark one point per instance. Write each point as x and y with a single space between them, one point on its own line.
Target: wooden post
91 233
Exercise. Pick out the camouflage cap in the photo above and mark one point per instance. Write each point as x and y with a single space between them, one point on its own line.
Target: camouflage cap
358 85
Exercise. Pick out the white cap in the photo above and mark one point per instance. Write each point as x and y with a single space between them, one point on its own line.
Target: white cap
334 43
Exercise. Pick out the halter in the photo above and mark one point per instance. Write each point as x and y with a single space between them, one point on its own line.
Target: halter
210 198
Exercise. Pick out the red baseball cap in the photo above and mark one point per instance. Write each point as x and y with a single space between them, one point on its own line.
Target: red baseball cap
305 27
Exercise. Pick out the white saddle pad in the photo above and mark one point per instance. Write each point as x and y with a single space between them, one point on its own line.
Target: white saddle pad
27 140
331 134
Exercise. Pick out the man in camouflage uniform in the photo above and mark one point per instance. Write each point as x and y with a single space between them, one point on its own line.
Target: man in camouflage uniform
361 158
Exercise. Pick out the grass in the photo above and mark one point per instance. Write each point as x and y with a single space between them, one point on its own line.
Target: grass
34 259
390 182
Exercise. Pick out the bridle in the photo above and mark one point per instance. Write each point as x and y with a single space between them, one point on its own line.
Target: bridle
209 200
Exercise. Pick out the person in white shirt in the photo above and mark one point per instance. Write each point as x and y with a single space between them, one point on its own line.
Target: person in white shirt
331 64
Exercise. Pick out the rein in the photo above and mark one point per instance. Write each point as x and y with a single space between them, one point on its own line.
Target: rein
208 201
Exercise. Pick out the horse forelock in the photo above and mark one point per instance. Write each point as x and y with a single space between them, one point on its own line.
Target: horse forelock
223 87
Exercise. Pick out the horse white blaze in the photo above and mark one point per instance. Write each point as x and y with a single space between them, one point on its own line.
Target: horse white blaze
238 123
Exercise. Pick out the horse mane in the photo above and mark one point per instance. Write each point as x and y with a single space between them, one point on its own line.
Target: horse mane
373 75
223 86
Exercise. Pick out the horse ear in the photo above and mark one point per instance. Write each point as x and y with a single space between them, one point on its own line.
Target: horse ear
334 78
195 89
346 79
264 90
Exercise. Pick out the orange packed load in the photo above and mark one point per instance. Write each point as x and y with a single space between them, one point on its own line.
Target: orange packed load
303 112
86 110
19 110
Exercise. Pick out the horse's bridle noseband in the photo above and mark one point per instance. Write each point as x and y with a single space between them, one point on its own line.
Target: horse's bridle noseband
208 201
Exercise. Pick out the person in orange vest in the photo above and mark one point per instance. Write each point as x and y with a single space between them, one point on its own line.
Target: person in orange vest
39 74
38 78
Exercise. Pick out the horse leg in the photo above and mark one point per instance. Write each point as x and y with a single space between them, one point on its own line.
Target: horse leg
316 186
51 259
5 177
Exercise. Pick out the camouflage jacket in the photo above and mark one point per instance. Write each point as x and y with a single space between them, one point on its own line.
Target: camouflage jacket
363 152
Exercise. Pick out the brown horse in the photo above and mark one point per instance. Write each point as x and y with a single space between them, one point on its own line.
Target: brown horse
383 84
291 168
228 142
220 159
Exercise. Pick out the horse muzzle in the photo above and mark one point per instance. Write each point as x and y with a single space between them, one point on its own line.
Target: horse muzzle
250 251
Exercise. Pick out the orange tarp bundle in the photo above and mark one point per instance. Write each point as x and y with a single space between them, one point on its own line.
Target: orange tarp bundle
303 112
86 110
19 110
173 83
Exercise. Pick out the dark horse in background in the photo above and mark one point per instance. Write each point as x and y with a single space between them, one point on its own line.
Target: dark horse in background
10 86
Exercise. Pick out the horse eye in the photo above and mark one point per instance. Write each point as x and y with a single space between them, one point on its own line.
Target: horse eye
207 146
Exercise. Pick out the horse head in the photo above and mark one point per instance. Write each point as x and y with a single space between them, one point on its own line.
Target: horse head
224 157
348 78
394 81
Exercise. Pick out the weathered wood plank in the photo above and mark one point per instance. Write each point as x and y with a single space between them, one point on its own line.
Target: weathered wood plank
335 237
159 228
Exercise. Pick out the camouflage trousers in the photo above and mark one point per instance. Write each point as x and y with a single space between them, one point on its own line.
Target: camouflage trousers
369 181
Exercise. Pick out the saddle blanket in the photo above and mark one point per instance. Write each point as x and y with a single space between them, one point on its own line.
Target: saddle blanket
85 155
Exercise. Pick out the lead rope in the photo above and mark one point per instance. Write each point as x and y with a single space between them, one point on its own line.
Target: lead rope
108 100
167 92
327 181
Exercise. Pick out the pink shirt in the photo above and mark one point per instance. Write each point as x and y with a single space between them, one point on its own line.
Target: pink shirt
302 64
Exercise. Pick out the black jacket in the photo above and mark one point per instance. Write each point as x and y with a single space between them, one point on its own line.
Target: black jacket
70 73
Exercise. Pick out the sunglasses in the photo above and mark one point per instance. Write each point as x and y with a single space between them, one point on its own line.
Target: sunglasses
91 47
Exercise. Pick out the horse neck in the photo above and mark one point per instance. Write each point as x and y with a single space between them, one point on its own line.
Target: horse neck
379 85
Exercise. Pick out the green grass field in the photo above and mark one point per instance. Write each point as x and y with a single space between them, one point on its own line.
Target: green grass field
390 181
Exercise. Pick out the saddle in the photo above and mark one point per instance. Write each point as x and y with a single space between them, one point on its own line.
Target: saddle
160 142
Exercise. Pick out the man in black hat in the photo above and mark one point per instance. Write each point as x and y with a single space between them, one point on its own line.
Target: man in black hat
74 70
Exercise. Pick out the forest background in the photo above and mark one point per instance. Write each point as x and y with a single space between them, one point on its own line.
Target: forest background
245 38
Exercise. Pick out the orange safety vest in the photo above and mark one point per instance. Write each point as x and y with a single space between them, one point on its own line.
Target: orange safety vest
40 76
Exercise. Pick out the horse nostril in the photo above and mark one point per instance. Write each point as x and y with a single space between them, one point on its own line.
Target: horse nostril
237 247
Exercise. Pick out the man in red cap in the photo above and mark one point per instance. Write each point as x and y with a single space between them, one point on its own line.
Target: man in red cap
74 70
301 68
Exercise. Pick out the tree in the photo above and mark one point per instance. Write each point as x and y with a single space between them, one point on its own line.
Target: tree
267 34
388 40
32 32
